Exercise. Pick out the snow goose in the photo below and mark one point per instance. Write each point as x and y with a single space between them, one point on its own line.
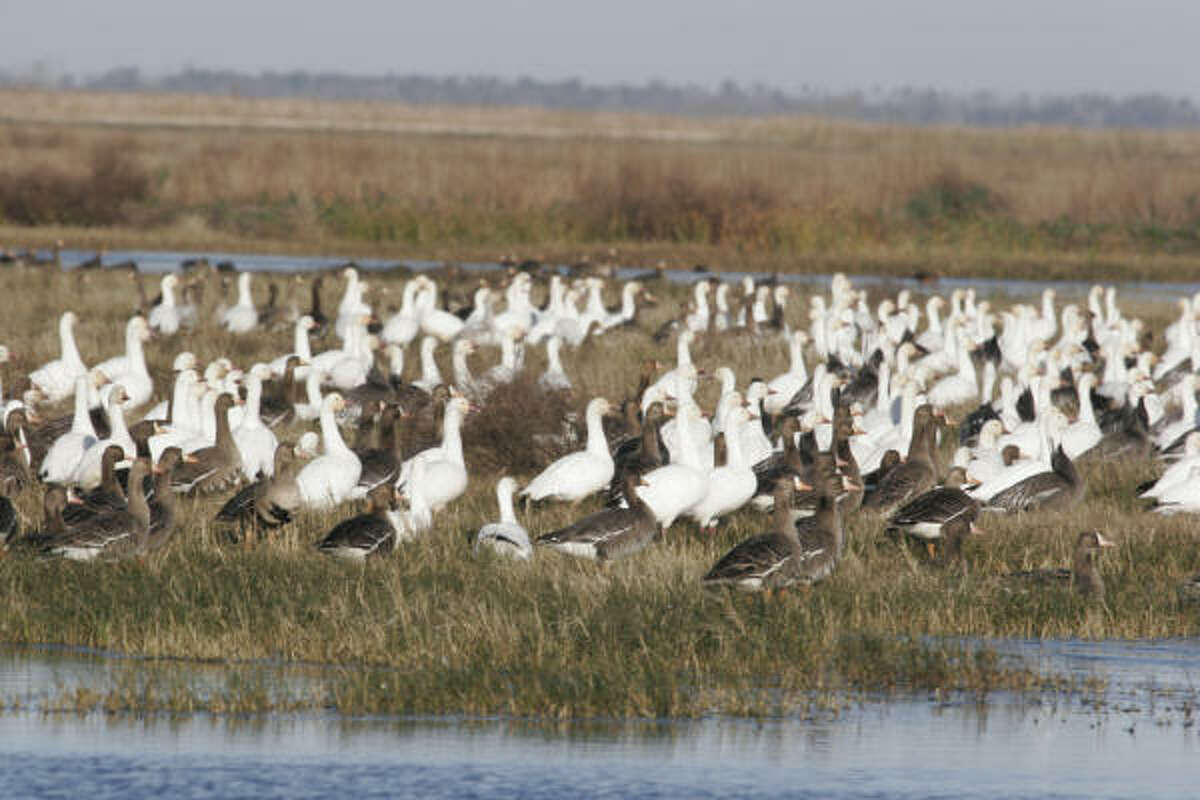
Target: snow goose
699 432
697 321
130 369
1171 435
352 305
431 376
67 450
730 486
301 348
1182 496
255 441
962 386
627 313
444 473
1177 472
678 381
311 407
56 379
506 536
165 317
86 474
435 321
577 475
782 389
403 326
609 534
554 379
364 535
328 480
417 516
1083 434
242 317
672 489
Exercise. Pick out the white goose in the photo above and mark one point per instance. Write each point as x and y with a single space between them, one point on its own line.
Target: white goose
435 321
445 472
418 517
67 450
575 476
165 317
783 388
242 317
554 379
329 479
506 537
255 441
431 376
672 489
301 347
56 379
403 326
1083 434
352 305
87 473
731 486
130 369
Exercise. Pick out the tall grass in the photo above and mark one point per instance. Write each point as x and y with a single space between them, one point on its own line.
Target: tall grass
434 628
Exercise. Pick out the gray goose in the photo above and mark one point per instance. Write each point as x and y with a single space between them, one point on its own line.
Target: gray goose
106 497
1084 573
927 515
803 551
1055 490
116 534
215 468
368 534
609 534
381 464
638 455
917 473
164 504
268 502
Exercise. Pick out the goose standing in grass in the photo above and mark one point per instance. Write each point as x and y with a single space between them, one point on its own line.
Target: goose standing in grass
165 317
730 486
328 480
403 326
215 468
784 388
86 474
417 517
242 317
444 472
353 306
107 496
612 533
507 536
367 534
301 347
1057 489
268 502
674 488
554 379
256 443
381 464
129 369
917 473
927 515
577 475
116 534
67 450
56 379
163 505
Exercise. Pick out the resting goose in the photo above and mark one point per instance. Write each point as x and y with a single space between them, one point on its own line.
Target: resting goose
577 475
116 534
215 468
1055 490
1084 574
106 497
67 450
56 379
86 474
612 533
367 534
730 486
507 536
268 502
917 473
673 488
328 480
242 317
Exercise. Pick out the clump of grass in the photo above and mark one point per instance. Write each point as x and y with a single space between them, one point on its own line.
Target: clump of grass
102 195
519 427
950 197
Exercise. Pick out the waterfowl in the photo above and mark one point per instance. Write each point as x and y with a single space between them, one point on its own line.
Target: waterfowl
577 475
506 536
1084 573
56 379
367 534
129 369
301 348
612 533
242 317
927 515
444 472
328 480
107 496
216 468
116 534
352 307
268 502
1055 490
165 317
86 473
674 488
381 464
730 486
163 505
554 379
256 443
917 473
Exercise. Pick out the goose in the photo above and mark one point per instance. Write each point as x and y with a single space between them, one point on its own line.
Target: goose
434 321
1084 573
672 489
367 534
86 474
627 313
431 376
382 463
1178 471
67 450
784 388
962 386
577 475
184 423
107 496
268 502
917 473
782 557
130 369
403 326
1171 435
311 408
731 486
444 473
256 443
554 379
163 411
56 379
507 536
699 431
927 515
328 480
1180 497
217 467
242 317
1055 490
1083 434
418 516
612 533
352 306
681 380
165 317
301 348
112 535
640 453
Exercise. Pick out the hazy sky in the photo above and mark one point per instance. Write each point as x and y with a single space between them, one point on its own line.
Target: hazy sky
1035 46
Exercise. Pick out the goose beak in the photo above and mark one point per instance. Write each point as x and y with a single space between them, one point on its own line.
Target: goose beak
188 458
1104 542
801 484
977 531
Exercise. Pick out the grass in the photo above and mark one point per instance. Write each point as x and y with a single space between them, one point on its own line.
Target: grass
434 629
775 194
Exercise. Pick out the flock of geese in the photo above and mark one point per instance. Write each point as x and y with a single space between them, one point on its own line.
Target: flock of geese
852 426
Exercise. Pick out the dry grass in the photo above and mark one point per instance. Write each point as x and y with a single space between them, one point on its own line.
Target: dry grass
788 193
434 629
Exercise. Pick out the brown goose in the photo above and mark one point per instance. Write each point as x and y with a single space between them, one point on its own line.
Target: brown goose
917 473
269 502
1084 575
216 468
10 524
803 551
609 534
638 456
116 534
788 461
368 534
1055 490
107 497
381 464
53 503
164 503
844 427
891 459
927 515
954 533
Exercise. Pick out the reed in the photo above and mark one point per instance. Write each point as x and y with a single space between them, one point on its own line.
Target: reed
436 629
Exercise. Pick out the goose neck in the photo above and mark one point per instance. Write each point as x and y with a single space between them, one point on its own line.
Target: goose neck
504 497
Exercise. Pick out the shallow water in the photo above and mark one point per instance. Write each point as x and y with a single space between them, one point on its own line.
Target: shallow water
1134 739
158 261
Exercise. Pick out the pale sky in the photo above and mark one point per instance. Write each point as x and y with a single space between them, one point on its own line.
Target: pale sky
1034 46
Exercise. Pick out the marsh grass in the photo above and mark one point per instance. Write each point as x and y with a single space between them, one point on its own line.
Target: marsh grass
435 629
781 194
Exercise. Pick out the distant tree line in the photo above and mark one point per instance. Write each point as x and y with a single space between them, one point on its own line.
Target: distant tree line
919 106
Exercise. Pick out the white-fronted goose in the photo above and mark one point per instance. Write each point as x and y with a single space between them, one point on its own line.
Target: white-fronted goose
1084 573
609 534
269 502
216 468
917 473
367 534
926 516
116 534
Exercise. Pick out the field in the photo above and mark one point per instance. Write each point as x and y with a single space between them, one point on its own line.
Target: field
434 629
784 194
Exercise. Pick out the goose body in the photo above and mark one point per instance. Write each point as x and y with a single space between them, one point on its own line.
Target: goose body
329 479
1059 488
609 534
242 317
364 535
67 450
56 379
505 536
577 475
444 472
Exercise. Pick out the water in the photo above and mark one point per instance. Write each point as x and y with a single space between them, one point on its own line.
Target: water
160 261
1135 739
